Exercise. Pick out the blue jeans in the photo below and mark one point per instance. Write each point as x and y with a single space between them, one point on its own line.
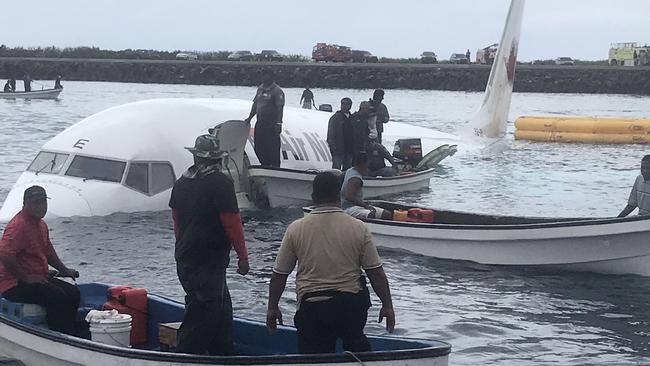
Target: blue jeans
341 161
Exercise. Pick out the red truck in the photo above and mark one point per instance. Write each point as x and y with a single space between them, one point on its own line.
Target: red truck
331 53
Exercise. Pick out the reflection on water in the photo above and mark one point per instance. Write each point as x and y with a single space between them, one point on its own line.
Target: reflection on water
491 315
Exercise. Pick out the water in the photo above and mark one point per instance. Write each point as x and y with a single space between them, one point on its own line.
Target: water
490 315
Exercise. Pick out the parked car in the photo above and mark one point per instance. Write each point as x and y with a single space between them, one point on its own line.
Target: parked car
269 55
241 56
564 61
428 57
458 58
363 56
187 56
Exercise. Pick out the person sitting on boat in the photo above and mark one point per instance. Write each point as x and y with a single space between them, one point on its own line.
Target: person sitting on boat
377 156
352 193
25 252
206 224
330 249
340 136
57 83
640 194
8 88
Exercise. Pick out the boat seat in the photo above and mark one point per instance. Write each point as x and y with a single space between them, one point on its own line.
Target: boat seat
28 313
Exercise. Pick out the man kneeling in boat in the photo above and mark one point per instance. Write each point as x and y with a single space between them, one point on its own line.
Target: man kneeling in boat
25 252
330 249
640 194
352 192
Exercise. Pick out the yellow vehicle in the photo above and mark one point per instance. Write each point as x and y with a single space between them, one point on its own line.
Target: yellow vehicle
629 54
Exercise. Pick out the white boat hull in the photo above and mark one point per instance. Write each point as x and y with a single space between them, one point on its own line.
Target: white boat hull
611 246
36 94
287 187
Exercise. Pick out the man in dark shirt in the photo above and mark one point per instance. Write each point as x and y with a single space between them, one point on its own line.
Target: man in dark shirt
381 110
340 136
360 129
377 156
57 83
27 81
268 105
206 225
25 252
307 99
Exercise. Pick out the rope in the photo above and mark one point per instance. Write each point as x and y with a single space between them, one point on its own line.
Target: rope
354 356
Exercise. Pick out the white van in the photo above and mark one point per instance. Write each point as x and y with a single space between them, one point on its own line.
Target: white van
187 56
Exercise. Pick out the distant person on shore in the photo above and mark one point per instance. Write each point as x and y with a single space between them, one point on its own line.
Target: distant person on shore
57 83
25 253
640 194
27 81
206 225
381 110
330 250
268 105
340 137
467 56
8 88
352 201
307 99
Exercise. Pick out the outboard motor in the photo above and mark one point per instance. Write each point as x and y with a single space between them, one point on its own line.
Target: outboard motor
408 152
325 107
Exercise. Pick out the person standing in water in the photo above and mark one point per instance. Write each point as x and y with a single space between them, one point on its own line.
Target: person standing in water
307 99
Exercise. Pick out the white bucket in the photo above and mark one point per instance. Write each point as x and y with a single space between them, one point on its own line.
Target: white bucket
114 330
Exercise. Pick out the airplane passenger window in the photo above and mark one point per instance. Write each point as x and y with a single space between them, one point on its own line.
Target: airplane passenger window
162 177
48 162
138 177
96 169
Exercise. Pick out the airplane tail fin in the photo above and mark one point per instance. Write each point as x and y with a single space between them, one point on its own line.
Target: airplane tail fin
492 118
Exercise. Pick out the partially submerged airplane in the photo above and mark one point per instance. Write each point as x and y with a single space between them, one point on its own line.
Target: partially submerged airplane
126 158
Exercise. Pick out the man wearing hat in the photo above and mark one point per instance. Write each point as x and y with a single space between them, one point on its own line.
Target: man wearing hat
206 225
25 252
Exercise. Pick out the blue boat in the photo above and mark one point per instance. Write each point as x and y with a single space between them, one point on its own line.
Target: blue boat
34 344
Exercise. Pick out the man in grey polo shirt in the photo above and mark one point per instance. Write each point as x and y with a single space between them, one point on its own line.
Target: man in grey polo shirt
268 105
330 249
640 195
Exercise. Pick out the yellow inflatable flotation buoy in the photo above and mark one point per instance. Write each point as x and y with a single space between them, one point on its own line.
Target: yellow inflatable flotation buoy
583 129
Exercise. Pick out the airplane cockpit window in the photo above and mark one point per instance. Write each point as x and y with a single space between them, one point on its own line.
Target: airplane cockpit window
96 169
162 177
48 162
138 177
150 177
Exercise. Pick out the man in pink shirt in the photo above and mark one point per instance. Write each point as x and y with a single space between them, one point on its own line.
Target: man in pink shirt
25 252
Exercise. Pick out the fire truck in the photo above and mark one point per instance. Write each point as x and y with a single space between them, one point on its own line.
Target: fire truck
629 54
331 53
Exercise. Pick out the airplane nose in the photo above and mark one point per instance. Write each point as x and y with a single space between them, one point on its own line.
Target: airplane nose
62 202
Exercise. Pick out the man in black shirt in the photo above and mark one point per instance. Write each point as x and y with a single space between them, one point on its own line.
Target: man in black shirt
340 136
206 225
307 99
269 106
381 110
377 156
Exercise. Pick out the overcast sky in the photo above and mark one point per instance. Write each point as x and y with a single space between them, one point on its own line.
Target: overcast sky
581 29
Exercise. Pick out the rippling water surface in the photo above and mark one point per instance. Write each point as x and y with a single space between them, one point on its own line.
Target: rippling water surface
490 315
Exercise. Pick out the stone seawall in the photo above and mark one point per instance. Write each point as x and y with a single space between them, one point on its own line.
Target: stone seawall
529 78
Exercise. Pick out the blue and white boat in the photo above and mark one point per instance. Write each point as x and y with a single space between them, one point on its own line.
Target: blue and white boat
36 345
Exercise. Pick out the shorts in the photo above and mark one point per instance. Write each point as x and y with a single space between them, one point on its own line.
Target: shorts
362 213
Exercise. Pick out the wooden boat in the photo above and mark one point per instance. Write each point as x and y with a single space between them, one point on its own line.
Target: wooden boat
290 187
603 245
34 94
34 345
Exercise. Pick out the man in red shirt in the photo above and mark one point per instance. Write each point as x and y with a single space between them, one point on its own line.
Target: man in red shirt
25 252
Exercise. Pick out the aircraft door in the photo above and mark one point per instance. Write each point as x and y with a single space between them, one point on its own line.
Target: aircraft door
232 136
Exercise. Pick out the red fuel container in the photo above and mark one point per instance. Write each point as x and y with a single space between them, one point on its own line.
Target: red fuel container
420 215
132 301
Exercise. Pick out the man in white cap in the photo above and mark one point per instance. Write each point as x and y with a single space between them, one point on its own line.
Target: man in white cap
206 225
